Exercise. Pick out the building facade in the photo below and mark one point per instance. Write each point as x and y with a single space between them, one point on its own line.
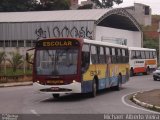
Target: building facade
19 31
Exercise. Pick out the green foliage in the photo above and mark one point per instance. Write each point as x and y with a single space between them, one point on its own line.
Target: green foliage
55 5
106 3
15 60
17 5
9 72
151 43
88 6
33 5
2 58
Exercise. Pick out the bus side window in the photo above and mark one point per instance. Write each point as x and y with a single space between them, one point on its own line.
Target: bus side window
113 58
143 55
150 55
101 55
108 57
138 54
147 54
119 55
94 55
123 56
85 57
127 56
133 54
154 55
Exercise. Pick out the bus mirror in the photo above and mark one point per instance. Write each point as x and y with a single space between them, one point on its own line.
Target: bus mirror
27 58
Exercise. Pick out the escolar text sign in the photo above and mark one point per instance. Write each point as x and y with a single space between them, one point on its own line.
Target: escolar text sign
57 43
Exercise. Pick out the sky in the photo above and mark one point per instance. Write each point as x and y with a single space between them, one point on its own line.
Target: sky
154 4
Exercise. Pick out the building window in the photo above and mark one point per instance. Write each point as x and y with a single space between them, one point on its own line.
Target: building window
33 44
28 43
7 43
146 10
1 43
21 43
14 43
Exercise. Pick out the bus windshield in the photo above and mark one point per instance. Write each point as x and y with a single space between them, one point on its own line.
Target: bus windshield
56 61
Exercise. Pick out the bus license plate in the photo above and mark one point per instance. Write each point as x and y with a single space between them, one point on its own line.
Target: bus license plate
55 88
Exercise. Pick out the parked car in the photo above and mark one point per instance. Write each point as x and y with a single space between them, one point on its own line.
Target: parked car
156 74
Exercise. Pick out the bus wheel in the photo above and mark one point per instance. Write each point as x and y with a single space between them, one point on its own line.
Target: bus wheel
147 71
118 87
131 73
94 89
55 95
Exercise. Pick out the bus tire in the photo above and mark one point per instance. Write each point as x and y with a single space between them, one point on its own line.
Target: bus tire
55 96
94 88
131 73
147 71
118 87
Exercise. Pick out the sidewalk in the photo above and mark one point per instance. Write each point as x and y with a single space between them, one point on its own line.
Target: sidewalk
15 84
148 99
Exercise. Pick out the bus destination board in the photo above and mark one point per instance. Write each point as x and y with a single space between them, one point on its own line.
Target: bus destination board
57 43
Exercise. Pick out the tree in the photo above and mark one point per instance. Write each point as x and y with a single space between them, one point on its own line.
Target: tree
15 60
152 43
2 58
17 5
106 3
88 6
55 4
33 5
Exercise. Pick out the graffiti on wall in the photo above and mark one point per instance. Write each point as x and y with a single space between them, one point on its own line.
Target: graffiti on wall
82 32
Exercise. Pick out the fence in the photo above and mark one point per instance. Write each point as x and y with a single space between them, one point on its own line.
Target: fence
20 75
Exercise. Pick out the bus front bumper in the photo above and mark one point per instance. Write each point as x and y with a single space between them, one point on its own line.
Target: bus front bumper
58 89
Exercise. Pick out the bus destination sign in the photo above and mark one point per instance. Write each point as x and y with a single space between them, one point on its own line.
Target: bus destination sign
57 43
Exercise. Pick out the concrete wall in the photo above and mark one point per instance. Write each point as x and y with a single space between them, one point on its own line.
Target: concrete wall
132 38
138 12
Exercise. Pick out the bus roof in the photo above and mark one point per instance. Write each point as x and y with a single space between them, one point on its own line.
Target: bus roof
104 43
93 42
141 49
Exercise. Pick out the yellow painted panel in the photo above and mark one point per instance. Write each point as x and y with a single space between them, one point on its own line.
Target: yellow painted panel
88 74
104 71
115 69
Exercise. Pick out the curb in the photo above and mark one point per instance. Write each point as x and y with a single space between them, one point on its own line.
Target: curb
143 104
15 84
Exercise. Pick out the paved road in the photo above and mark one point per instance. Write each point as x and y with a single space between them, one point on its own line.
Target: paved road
19 100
